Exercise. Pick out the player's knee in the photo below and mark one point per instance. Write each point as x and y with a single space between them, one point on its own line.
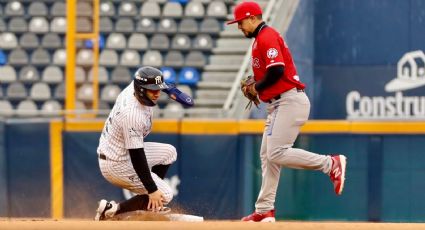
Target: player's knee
172 154
276 154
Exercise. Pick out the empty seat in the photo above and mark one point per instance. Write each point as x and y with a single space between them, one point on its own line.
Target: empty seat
29 74
172 10
150 9
18 25
18 57
40 91
130 58
84 25
102 75
110 93
58 25
51 108
210 25
6 109
174 59
37 9
181 42
116 41
194 9
51 40
40 57
16 91
107 9
128 9
39 25
152 58
106 25
85 57
85 93
108 58
89 43
167 25
195 59
203 42
104 107
146 26
124 25
138 41
3 58
159 42
58 9
14 8
29 40
52 75
84 9
7 74
188 26
8 41
59 57
188 76
80 75
80 107
173 110
59 92
3 26
169 74
27 108
217 9
120 75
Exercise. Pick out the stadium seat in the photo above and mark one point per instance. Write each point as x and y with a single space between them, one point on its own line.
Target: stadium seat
217 9
167 25
116 41
59 92
109 93
181 42
138 41
173 110
40 57
18 57
8 41
120 75
130 58
29 41
102 75
39 25
58 9
89 43
108 58
40 91
188 76
84 9
172 10
37 8
7 74
59 57
18 25
51 108
169 74
106 25
124 25
210 26
58 25
150 9
14 8
146 26
203 42
159 42
51 41
84 25
3 58
195 59
1 10
85 93
152 58
29 74
127 9
80 107
107 9
6 109
16 91
174 59
27 108
194 9
104 107
52 75
85 57
188 26
3 26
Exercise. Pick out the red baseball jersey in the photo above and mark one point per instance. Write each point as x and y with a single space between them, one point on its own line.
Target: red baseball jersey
269 49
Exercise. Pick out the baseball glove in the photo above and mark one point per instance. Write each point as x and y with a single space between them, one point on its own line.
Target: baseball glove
248 90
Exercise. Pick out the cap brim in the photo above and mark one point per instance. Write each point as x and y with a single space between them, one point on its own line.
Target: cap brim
232 22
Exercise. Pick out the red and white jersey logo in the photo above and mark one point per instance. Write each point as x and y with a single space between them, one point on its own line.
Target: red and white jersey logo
272 53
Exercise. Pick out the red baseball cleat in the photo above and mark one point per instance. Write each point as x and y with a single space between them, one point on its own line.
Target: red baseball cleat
337 174
260 217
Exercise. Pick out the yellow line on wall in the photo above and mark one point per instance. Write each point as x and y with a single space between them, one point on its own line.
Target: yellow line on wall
226 127
56 170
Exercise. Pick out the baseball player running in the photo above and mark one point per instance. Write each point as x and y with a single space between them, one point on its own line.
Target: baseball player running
277 83
125 160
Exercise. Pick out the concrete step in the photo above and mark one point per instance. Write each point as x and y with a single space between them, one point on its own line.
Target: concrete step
227 77
204 113
233 42
209 103
222 68
212 93
214 85
226 59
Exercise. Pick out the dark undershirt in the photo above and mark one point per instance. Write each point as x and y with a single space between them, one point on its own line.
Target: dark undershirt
140 165
272 76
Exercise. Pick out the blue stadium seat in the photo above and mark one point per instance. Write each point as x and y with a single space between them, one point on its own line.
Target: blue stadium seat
89 43
3 58
169 74
188 76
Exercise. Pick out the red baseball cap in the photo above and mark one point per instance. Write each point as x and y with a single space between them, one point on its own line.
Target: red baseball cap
244 10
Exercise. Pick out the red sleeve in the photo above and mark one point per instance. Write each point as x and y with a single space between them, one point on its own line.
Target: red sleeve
271 50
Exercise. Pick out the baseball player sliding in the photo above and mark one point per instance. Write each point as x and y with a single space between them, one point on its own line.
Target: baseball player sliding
125 160
276 82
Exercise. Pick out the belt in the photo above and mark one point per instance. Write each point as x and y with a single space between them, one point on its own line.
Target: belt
102 156
280 96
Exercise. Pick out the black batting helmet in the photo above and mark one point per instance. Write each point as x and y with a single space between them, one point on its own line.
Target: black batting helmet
148 78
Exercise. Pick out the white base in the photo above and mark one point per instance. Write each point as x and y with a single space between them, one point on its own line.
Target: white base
185 218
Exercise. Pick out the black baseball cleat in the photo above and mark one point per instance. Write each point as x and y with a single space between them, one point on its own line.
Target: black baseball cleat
105 210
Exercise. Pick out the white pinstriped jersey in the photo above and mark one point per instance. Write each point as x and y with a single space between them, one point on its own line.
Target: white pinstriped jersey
128 123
